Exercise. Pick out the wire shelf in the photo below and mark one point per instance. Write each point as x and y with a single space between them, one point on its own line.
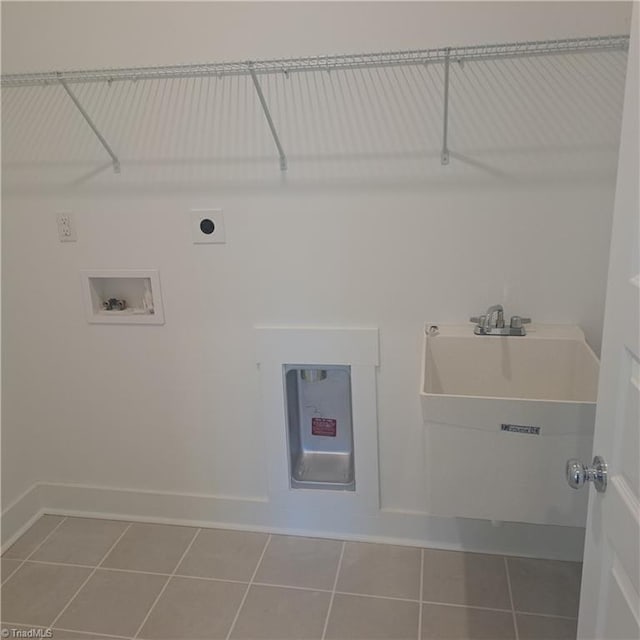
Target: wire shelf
323 63
365 78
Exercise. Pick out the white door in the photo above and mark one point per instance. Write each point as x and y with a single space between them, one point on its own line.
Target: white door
610 600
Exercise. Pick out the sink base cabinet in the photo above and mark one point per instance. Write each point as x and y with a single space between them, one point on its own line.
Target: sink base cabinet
508 467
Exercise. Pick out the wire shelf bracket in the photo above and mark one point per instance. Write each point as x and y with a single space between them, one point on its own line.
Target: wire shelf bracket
267 115
85 115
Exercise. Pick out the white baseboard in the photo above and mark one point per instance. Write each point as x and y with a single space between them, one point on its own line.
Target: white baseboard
258 514
20 515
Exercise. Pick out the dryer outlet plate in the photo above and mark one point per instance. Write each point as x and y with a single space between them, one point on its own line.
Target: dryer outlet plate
207 226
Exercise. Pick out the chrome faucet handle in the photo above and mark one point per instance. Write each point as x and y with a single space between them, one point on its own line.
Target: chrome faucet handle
517 322
480 321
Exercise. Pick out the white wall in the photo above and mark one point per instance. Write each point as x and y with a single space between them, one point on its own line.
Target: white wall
57 35
176 408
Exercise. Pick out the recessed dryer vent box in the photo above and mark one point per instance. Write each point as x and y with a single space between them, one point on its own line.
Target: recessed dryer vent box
319 426
123 296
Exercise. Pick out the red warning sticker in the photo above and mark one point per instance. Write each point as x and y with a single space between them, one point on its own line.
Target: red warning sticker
324 427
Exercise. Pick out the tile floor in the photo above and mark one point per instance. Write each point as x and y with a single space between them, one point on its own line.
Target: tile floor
101 579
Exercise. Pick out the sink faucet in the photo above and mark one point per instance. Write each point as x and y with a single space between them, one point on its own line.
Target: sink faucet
492 323
496 310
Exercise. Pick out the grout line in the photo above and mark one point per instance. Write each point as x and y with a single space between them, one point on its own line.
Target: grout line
146 573
333 591
62 564
544 615
20 563
120 570
90 575
36 547
93 633
246 591
182 575
465 606
289 586
371 595
513 609
47 537
166 584
421 593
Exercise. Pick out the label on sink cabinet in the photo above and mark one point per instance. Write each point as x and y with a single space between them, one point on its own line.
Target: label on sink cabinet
324 427
521 428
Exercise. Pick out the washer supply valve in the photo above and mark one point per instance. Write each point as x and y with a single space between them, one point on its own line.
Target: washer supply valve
113 304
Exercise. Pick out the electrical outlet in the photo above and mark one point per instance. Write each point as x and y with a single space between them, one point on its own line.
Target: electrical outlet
207 226
66 227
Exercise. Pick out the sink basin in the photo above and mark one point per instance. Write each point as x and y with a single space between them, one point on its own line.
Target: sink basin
549 363
502 415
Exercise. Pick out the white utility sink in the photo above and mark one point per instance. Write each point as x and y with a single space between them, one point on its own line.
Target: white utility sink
502 415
